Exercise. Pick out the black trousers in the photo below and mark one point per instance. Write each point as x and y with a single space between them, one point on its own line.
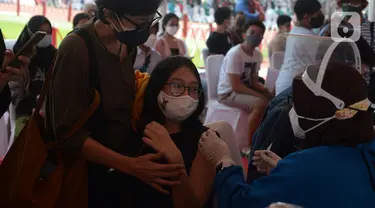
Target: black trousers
107 189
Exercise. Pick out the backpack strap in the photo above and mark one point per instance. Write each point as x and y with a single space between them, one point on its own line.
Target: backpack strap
147 61
372 34
134 51
93 67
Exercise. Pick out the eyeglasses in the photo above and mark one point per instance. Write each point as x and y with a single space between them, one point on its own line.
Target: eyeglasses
177 89
143 26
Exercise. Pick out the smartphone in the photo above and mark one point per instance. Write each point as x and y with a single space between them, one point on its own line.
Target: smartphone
26 49
2 48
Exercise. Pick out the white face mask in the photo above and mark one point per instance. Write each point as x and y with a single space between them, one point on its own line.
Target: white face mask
171 30
45 42
150 41
297 130
177 108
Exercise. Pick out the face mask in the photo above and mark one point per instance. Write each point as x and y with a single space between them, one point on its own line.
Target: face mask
342 114
131 37
352 8
171 30
150 41
254 40
297 130
317 22
177 108
45 42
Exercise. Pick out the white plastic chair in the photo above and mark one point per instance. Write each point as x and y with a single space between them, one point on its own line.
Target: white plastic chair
272 75
277 60
227 134
205 54
216 111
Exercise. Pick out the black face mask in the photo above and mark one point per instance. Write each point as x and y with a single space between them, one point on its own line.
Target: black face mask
133 37
317 21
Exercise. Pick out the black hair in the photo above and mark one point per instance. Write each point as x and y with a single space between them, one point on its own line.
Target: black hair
221 14
283 20
79 17
254 22
128 7
161 73
303 7
166 19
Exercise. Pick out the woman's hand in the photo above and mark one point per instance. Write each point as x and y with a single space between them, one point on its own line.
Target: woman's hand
11 73
265 161
146 169
158 138
214 148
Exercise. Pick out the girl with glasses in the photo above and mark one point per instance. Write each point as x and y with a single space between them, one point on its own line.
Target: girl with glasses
169 123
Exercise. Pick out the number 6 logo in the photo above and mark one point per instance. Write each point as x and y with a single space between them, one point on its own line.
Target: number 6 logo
345 26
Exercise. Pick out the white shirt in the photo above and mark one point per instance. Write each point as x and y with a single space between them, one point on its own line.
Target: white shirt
141 58
238 62
299 52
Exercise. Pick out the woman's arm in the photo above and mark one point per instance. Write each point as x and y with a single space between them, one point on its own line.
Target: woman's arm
196 188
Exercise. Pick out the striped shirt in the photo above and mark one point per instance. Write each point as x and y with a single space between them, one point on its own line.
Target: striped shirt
366 33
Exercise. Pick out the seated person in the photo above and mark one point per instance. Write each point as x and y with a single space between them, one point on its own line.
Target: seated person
219 41
167 44
367 27
251 8
337 150
150 43
235 31
146 63
238 81
297 51
169 123
278 42
147 56
80 19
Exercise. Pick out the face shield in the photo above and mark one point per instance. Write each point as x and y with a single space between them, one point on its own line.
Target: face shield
313 79
321 54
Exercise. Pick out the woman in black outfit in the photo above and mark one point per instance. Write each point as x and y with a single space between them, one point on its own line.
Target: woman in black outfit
169 123
24 95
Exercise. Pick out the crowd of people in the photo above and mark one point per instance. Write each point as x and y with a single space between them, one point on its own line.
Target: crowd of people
311 136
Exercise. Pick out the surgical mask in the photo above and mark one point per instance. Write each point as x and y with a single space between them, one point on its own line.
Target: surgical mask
171 30
45 42
150 41
297 130
131 37
254 40
177 108
342 114
317 21
352 8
